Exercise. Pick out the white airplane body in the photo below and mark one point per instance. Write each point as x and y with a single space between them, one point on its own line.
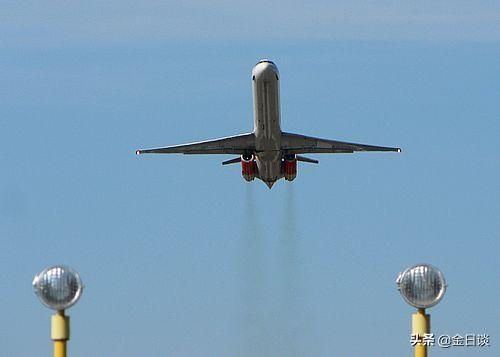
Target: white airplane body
267 153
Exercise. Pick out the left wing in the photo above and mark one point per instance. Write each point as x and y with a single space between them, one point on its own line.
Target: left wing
237 144
301 144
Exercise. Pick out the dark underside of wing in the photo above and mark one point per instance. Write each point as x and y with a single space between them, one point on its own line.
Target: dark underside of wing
301 144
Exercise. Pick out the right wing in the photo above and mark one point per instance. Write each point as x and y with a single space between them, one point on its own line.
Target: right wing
237 145
302 144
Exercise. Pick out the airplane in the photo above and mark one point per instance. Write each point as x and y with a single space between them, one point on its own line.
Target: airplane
267 153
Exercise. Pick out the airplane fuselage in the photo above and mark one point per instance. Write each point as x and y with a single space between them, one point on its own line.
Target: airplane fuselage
267 128
267 153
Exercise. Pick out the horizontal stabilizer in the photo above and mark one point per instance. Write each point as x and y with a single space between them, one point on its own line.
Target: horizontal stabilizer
306 159
232 161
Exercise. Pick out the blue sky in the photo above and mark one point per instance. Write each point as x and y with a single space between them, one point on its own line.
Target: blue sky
179 255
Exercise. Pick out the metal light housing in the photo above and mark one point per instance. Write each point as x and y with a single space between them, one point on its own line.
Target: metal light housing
422 285
58 287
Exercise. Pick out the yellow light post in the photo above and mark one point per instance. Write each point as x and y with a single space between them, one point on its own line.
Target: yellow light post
58 288
422 286
59 333
420 326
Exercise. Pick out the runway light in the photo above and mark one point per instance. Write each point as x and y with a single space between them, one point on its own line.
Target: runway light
421 285
58 287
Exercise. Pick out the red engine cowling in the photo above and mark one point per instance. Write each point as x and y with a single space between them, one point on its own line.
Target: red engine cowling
290 167
248 167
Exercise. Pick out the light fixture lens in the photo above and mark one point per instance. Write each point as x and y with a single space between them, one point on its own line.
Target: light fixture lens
58 287
422 285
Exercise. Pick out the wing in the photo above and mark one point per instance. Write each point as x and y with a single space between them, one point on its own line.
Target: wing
238 145
301 144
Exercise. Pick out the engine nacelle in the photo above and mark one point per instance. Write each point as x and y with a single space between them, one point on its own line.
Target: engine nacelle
248 167
290 167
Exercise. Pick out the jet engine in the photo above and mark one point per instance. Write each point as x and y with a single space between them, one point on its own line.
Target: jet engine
290 167
248 167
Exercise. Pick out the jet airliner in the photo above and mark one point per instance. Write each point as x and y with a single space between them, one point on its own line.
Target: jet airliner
267 153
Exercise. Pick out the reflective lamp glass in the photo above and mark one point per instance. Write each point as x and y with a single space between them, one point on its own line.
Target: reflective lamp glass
58 287
422 285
